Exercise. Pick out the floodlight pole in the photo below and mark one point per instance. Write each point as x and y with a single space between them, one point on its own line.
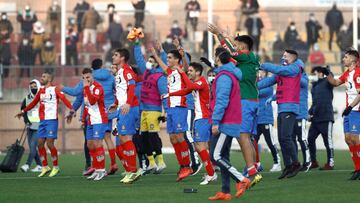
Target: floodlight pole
63 32
355 25
210 35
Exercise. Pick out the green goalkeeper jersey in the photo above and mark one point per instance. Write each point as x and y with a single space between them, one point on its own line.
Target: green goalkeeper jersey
249 66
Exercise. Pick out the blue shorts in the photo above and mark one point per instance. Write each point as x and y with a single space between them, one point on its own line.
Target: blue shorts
108 126
202 130
48 129
352 123
249 118
126 124
96 131
177 120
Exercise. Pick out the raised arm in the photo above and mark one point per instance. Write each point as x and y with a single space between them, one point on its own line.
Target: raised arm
289 70
158 59
139 57
93 98
335 82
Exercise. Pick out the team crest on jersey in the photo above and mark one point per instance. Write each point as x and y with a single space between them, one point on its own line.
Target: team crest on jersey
50 132
123 127
354 127
97 92
179 125
358 79
199 83
96 132
129 76
151 126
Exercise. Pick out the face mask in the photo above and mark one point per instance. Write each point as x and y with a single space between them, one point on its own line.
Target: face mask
313 78
211 79
25 42
292 28
33 90
48 44
284 62
4 17
27 8
175 26
312 18
168 40
148 65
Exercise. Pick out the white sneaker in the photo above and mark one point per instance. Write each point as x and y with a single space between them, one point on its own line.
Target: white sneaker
276 168
151 168
93 175
100 175
25 168
208 179
37 169
160 168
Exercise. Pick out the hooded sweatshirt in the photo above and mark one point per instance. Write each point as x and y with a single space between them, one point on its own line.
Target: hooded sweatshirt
31 117
223 90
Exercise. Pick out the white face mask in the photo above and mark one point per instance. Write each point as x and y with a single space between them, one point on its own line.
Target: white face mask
292 27
4 17
148 65
25 42
313 78
168 40
211 78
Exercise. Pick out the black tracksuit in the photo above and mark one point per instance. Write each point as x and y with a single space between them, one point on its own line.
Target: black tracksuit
322 118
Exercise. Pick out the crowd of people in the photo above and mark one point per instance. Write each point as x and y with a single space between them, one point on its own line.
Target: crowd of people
202 114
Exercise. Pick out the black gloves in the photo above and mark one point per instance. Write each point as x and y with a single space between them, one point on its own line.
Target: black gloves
206 61
162 119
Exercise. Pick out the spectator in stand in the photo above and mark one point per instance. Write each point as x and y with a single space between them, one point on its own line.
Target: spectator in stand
26 58
175 30
264 57
344 39
139 6
250 7
192 9
351 29
71 48
278 48
316 57
291 35
124 39
37 39
48 56
302 48
239 16
89 23
168 45
109 16
81 7
254 25
115 32
334 19
26 18
54 17
313 28
6 30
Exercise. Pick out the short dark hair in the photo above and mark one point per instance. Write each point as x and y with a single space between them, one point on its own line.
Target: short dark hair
223 54
50 73
210 71
197 66
96 63
246 39
153 57
353 53
111 5
86 70
319 69
293 52
176 54
123 52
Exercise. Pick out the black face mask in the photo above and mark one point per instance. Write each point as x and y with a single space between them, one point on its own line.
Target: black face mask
33 90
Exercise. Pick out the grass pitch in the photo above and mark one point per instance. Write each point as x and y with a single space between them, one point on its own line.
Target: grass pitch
70 186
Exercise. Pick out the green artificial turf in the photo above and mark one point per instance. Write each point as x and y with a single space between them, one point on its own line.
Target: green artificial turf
70 186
